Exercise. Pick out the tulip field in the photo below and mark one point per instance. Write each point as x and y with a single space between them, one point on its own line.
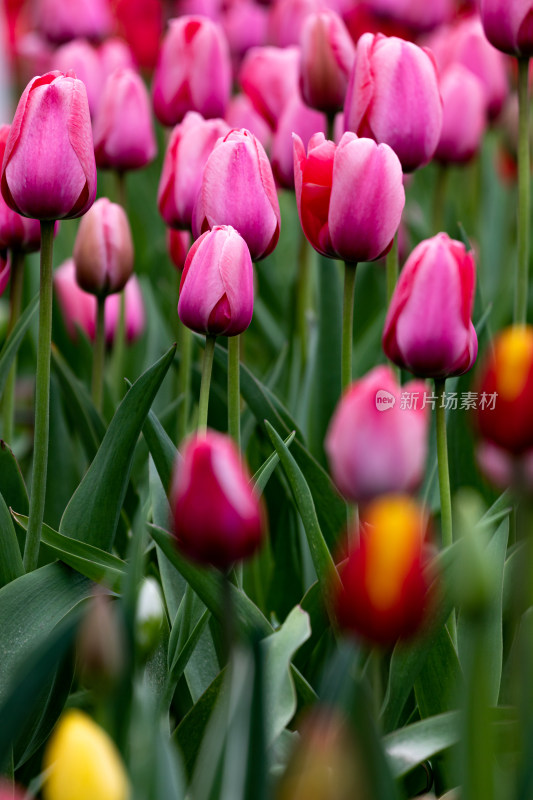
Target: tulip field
266 400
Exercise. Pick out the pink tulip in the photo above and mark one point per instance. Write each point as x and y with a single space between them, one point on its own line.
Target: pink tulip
328 54
393 97
48 170
299 119
5 271
217 518
287 18
238 189
178 246
270 77
16 232
81 58
504 469
417 15
33 56
10 791
114 54
428 329
241 113
124 137
212 9
350 196
217 284
103 250
375 443
135 315
188 149
62 21
464 118
193 72
245 25
508 25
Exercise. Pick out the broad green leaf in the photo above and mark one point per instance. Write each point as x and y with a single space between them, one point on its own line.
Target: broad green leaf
12 486
437 686
190 732
93 512
415 743
262 475
161 447
12 344
11 566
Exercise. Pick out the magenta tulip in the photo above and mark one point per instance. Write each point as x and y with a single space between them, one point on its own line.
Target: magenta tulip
178 246
193 72
48 170
296 118
393 97
508 25
245 25
135 315
428 329
241 113
464 115
417 15
328 53
81 58
287 18
269 76
103 250
375 442
124 137
217 284
238 189
217 517
188 149
350 196
62 21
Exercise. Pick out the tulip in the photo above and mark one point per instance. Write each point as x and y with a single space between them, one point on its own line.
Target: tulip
140 23
241 113
83 762
123 130
82 58
135 315
100 644
62 21
48 171
178 245
378 436
287 18
393 97
508 25
328 54
416 15
384 591
216 290
464 117
269 76
115 54
238 189
16 232
428 329
8 791
33 56
297 118
504 469
5 271
245 25
193 72
350 197
188 149
217 517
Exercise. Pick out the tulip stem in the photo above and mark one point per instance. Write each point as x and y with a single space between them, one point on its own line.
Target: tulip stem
184 378
444 479
15 305
303 295
347 324
119 347
393 268
521 294
234 390
207 368
99 356
42 402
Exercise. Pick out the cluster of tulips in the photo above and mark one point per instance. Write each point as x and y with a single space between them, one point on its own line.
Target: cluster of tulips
404 605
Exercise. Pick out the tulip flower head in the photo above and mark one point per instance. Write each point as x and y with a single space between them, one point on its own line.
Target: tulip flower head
49 170
269 76
508 25
464 115
62 21
428 328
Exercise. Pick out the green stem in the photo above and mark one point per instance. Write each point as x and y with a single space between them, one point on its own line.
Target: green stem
15 305
302 295
119 350
444 479
393 268
184 378
203 404
234 390
521 295
99 356
42 402
347 324
439 198
121 189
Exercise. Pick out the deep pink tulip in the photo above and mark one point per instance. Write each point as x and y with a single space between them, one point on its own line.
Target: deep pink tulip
417 15
5 271
428 329
82 59
508 25
296 118
241 113
16 232
48 170
188 149
217 517
393 97
464 115
62 21
103 250
217 284
193 72
350 196
123 131
238 189
178 246
212 9
287 18
10 791
377 442
270 77
328 53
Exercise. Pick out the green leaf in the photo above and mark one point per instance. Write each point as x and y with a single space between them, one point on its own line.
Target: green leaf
415 743
161 447
12 486
93 511
12 344
437 685
11 566
263 474
190 732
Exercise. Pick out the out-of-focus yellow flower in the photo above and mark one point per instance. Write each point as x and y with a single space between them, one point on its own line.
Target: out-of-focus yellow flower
83 761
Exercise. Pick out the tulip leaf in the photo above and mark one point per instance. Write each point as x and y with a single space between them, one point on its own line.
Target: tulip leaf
12 344
436 686
11 566
161 447
414 744
93 511
12 486
263 474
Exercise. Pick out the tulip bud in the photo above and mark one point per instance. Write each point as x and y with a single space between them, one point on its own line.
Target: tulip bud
384 582
8 791
62 21
508 25
286 20
48 170
193 72
82 762
393 97
245 25
428 329
217 517
135 313
350 196
377 441
115 54
149 616
327 59
238 189
416 15
269 76
140 23
82 58
464 118
124 136
297 118
103 250
241 113
216 289
100 644
178 245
